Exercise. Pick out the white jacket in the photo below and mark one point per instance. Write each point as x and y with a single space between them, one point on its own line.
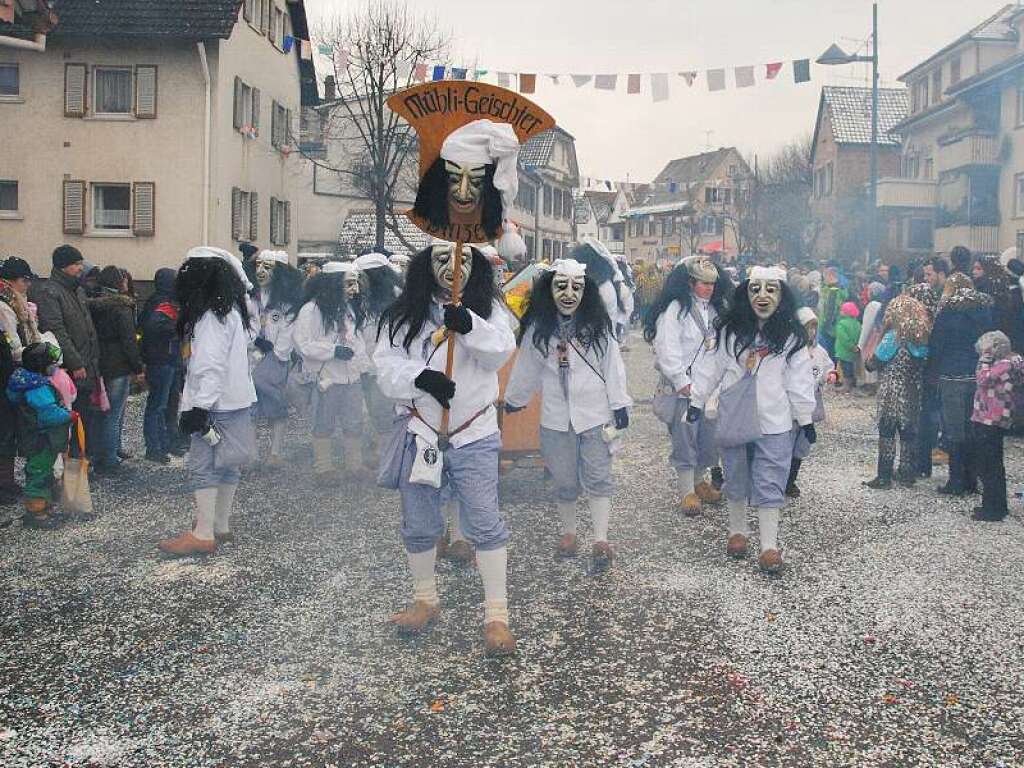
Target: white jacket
821 364
785 387
276 327
317 348
591 400
679 346
217 377
479 355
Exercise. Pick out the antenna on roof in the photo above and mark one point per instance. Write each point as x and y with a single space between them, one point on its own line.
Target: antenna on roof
708 135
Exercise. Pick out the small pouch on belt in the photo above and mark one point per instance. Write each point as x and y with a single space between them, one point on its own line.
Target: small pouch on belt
426 467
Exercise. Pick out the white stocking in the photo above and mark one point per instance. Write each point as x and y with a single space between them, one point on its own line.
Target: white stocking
424 584
600 511
277 430
206 510
567 514
768 523
738 517
686 478
225 500
493 565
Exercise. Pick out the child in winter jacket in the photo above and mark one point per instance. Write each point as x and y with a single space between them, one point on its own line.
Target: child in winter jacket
1000 378
824 373
43 426
847 339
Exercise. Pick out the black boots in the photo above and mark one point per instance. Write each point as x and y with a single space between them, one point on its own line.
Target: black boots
886 459
792 491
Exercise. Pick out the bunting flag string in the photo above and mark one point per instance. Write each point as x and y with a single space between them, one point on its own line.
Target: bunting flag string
657 83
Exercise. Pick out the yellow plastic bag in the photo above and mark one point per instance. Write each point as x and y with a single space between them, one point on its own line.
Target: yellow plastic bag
75 495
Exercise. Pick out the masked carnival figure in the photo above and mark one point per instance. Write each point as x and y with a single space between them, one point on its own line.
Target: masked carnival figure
327 336
278 298
681 326
604 271
767 386
568 351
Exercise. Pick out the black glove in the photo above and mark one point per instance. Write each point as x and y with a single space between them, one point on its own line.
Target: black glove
295 357
266 346
509 408
811 434
693 414
457 319
437 385
621 418
195 421
343 353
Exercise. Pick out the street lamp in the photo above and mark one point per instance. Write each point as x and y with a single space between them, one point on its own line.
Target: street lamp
835 56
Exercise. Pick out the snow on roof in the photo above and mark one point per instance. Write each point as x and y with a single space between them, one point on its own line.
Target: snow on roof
850 109
359 232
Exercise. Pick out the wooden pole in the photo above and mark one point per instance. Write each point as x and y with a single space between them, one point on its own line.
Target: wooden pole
450 365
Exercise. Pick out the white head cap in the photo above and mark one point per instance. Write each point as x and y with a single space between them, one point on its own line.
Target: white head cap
209 252
279 256
806 315
338 267
400 259
767 273
483 142
372 261
568 268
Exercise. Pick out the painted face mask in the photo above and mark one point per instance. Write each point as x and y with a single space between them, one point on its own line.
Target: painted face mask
464 185
264 271
568 293
351 283
765 296
443 262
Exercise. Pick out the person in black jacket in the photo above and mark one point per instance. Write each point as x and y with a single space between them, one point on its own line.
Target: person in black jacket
161 353
964 315
113 314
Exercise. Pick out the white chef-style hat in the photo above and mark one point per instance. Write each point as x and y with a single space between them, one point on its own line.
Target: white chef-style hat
484 142
568 268
280 257
339 267
209 252
767 273
372 261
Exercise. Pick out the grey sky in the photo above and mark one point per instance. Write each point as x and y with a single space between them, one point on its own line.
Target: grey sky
618 134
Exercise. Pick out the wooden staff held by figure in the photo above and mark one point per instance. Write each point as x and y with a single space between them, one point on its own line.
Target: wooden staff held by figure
449 369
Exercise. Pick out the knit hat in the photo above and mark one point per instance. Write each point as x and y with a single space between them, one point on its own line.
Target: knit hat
38 357
849 309
1016 267
14 268
110 277
66 255
994 345
876 291
247 250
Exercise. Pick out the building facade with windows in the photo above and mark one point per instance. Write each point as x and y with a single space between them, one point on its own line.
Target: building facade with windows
143 129
544 207
609 206
962 143
841 167
693 206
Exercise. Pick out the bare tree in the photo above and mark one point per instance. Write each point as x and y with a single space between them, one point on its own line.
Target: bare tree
376 48
786 225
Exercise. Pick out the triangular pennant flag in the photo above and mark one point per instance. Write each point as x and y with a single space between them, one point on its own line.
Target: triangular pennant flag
716 79
580 80
633 84
605 82
772 70
689 77
419 72
459 73
287 43
802 71
659 86
325 49
527 83
744 77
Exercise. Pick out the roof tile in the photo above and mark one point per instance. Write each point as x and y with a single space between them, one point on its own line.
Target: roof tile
850 109
189 19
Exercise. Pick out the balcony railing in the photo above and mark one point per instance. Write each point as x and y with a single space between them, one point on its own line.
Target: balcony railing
979 239
976 148
906 193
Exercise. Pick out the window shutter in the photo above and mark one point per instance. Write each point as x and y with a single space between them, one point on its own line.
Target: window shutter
287 224
254 217
74 207
144 208
74 90
145 92
247 10
256 110
274 228
286 133
273 125
237 120
236 213
264 15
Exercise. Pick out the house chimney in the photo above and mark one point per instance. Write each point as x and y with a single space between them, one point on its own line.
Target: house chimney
330 89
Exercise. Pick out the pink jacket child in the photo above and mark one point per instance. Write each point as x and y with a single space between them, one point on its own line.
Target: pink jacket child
1000 377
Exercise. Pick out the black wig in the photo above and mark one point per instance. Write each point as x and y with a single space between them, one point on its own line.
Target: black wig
285 289
208 285
327 291
593 326
679 287
432 199
412 308
379 286
599 269
741 323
